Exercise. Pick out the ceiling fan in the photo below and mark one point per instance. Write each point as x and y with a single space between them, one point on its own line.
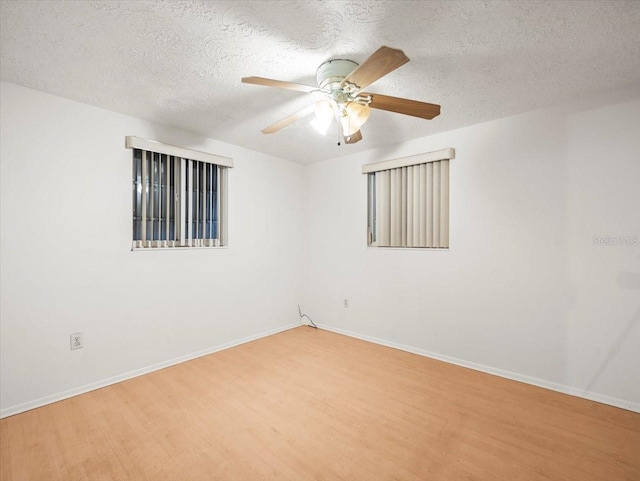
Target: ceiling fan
341 81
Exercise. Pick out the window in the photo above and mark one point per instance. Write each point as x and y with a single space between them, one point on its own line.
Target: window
179 196
408 201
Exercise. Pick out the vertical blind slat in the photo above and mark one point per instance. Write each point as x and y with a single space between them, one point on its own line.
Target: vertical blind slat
167 201
416 205
387 208
203 202
176 196
372 208
161 181
436 205
183 202
196 204
394 197
422 206
220 234
207 205
403 212
410 205
189 194
429 205
444 203
210 203
396 206
379 205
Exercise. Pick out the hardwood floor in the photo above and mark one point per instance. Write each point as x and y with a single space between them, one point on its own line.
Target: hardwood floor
309 404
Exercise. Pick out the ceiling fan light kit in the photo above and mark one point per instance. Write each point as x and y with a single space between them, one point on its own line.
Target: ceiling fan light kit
341 81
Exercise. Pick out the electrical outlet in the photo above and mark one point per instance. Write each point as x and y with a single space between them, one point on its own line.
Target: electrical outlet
345 304
76 341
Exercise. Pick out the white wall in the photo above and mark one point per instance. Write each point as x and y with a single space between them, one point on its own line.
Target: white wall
66 264
523 290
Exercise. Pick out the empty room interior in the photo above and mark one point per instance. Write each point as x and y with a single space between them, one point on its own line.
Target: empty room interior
320 240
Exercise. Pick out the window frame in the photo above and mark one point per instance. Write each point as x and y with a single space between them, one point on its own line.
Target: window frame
396 172
199 182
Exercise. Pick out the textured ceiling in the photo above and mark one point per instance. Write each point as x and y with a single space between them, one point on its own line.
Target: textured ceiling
180 62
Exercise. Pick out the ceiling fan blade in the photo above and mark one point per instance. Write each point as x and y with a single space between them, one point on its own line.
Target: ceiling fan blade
353 138
267 82
380 63
280 124
404 106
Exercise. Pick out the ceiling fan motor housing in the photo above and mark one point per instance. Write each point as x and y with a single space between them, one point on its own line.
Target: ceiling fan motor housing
331 73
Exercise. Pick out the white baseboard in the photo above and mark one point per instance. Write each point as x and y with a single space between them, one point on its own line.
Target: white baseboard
19 408
601 398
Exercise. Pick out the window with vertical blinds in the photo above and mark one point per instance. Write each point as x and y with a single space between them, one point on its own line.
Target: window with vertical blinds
179 196
408 201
